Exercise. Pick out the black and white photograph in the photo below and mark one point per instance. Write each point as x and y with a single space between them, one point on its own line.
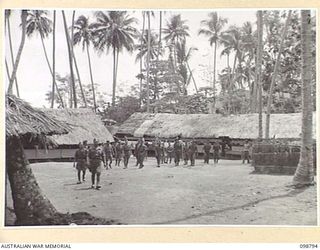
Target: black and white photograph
153 117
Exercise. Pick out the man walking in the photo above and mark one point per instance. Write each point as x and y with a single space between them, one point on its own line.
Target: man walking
95 160
206 151
80 162
108 152
142 151
185 152
126 153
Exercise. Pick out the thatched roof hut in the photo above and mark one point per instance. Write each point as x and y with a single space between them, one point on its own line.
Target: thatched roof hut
23 119
243 126
84 123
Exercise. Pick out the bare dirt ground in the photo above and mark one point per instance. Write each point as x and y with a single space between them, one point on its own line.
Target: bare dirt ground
223 194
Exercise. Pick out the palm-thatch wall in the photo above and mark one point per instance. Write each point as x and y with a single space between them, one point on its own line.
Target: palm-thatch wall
84 123
210 125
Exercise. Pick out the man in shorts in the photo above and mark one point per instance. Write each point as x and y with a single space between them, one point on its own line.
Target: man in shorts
206 151
126 153
80 162
216 152
193 151
95 160
108 152
158 151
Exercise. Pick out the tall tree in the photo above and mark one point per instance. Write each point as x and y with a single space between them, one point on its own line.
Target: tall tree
176 31
53 58
304 174
75 60
7 19
83 34
275 73
39 23
148 62
70 60
24 14
258 73
114 30
212 28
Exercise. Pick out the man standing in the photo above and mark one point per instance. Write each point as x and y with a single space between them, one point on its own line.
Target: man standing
216 149
185 152
177 148
165 151
95 159
206 151
118 152
142 151
158 151
246 149
80 162
108 152
169 152
193 150
126 153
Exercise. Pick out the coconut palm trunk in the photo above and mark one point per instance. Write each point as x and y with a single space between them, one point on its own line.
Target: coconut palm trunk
114 77
30 205
141 58
53 58
258 72
75 61
148 64
24 14
214 65
70 61
11 53
275 73
305 174
91 78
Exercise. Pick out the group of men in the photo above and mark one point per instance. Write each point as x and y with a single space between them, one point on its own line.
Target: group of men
99 155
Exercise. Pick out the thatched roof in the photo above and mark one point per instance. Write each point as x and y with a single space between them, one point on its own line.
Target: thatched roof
22 118
85 124
210 125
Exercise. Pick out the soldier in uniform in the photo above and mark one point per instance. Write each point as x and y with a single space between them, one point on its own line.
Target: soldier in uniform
216 151
185 152
246 149
158 151
136 153
142 152
169 152
95 159
193 150
126 153
80 162
108 153
118 153
177 149
206 150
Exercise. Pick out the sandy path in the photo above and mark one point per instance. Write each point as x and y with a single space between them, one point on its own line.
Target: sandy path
205 194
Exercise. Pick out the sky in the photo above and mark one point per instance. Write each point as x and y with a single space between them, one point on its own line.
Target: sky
34 76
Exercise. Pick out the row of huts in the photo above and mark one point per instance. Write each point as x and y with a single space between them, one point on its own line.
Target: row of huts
232 130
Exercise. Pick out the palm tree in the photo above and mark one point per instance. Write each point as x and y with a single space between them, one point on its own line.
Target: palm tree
183 57
176 31
53 58
24 14
148 62
212 28
38 22
258 71
7 20
232 41
275 73
304 174
70 60
83 34
142 48
114 30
